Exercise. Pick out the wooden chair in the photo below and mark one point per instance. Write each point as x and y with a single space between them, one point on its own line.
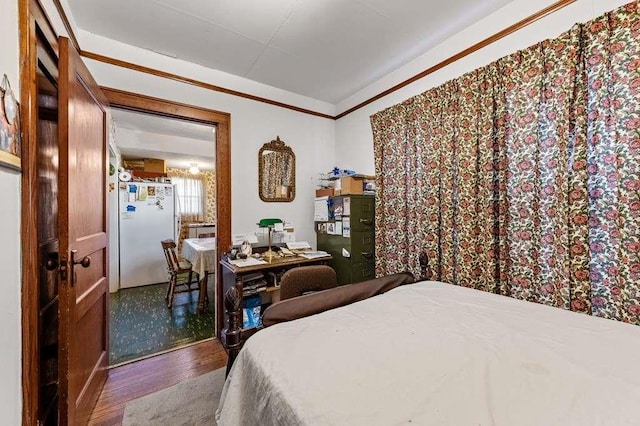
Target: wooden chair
307 279
181 275
207 235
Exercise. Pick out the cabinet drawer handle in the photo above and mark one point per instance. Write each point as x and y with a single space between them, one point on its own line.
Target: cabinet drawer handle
367 254
367 222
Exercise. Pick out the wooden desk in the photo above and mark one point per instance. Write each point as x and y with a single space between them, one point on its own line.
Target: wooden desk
235 276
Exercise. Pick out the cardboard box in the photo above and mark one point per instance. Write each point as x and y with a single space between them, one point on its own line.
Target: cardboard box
351 185
328 192
133 165
154 165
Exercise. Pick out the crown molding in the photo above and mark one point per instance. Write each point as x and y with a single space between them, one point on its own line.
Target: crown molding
466 52
208 86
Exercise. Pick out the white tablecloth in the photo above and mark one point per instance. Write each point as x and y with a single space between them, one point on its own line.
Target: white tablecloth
201 252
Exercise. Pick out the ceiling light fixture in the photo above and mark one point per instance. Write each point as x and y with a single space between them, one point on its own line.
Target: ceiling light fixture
194 170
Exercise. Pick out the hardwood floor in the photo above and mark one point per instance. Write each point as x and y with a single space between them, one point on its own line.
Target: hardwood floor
141 378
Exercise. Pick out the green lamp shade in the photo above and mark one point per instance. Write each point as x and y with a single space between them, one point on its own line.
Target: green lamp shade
266 223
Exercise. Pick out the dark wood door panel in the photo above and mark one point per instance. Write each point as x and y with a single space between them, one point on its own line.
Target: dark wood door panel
86 278
90 298
83 237
47 172
47 227
87 156
90 331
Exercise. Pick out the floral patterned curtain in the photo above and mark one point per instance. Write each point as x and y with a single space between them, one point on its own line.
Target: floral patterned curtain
522 177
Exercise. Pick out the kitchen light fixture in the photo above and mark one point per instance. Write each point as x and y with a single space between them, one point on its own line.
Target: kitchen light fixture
194 170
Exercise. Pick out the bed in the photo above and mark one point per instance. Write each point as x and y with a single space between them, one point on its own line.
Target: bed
431 353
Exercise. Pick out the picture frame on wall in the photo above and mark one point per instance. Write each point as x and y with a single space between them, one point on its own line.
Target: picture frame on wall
10 137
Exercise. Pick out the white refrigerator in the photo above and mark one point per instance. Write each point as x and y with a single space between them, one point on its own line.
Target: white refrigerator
147 216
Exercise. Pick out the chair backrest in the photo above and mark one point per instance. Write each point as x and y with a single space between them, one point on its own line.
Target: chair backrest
207 235
305 279
169 248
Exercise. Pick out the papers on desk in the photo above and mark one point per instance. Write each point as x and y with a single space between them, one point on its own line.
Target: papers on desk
313 254
298 245
249 261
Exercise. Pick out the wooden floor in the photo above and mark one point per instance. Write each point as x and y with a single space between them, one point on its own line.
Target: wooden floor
141 378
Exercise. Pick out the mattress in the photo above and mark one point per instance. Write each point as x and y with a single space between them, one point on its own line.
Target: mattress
437 354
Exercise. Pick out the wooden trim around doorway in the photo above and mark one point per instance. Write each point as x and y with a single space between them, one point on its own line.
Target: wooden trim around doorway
222 121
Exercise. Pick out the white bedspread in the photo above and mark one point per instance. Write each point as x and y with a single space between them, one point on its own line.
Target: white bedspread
437 354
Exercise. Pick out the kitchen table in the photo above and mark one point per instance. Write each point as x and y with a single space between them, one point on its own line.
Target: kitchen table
201 252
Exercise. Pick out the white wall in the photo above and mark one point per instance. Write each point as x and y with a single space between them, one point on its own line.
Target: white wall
252 125
10 322
354 140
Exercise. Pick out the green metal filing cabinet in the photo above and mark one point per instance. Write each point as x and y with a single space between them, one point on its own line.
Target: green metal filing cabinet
353 252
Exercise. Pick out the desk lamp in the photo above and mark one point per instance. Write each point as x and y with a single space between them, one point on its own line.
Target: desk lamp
269 223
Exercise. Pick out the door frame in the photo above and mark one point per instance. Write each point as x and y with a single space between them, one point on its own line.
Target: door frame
222 120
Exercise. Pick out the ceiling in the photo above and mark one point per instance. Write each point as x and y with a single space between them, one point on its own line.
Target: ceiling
325 49
180 143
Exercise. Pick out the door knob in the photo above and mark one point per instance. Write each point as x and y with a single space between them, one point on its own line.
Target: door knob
52 262
84 262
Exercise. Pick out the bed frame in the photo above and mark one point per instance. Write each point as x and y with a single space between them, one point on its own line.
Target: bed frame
234 336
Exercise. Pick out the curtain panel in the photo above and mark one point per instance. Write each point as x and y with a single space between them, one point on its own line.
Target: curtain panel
523 177
208 179
190 198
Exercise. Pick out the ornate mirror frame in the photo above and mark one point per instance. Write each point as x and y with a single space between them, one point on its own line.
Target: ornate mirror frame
289 191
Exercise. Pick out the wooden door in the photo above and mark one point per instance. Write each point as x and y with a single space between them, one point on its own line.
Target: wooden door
82 220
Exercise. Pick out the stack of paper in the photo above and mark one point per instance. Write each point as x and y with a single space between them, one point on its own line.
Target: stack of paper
249 261
313 254
298 245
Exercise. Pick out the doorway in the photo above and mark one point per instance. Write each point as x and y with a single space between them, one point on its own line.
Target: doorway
169 164
222 121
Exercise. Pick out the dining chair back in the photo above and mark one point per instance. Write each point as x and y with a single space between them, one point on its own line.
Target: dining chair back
181 275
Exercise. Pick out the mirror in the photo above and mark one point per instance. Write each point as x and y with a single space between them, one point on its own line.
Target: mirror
276 172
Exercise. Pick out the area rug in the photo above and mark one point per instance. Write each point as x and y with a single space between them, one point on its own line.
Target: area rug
192 402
